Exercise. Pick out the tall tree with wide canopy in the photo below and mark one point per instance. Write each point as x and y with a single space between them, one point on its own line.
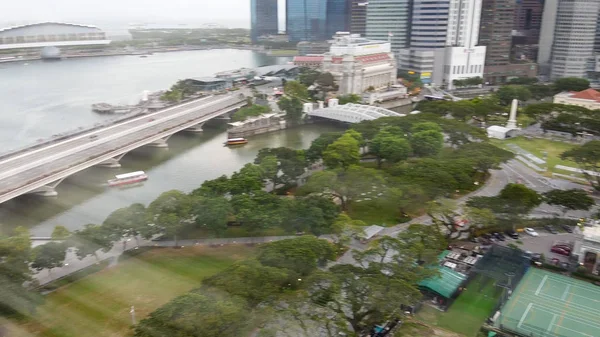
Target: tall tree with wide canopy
90 239
211 214
342 153
49 256
170 212
126 222
569 200
587 157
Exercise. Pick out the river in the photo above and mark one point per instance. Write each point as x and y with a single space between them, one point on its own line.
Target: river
41 98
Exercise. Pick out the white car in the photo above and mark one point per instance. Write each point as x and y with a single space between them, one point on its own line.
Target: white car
531 231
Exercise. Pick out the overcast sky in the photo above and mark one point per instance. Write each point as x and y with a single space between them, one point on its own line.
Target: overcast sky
231 13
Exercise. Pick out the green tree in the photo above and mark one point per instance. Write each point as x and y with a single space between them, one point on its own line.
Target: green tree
170 212
15 257
523 80
90 239
350 98
571 84
343 153
308 76
587 157
211 214
60 233
282 165
345 228
509 92
213 188
390 147
126 222
425 126
569 200
248 179
423 242
301 255
318 146
427 143
196 315
443 214
343 186
326 81
250 111
251 281
257 211
49 256
293 109
296 89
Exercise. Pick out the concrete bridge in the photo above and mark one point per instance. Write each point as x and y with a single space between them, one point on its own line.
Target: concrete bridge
40 169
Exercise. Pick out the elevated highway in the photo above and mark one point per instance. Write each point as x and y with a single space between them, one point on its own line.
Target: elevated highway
40 169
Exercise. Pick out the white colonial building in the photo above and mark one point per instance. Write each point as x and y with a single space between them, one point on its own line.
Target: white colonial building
356 63
588 249
588 98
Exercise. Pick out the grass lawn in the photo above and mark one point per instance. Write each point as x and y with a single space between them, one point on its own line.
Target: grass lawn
537 146
99 304
467 313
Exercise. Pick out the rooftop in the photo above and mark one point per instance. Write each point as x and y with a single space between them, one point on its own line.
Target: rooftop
592 233
587 94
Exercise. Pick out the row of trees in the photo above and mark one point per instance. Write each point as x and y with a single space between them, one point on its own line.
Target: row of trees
468 82
283 290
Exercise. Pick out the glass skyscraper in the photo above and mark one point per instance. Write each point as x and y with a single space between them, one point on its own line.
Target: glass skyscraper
338 16
263 18
306 20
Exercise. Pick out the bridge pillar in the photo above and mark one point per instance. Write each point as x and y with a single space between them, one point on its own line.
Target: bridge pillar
47 190
112 162
196 128
162 143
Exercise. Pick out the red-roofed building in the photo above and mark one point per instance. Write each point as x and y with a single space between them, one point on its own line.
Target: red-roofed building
588 98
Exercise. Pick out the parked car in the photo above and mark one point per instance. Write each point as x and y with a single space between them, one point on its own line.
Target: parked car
563 247
498 236
561 251
531 231
512 234
550 229
567 228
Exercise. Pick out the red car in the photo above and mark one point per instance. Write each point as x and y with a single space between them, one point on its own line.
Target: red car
561 251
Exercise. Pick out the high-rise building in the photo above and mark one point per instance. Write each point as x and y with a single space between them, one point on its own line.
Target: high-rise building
461 57
574 40
429 27
338 16
358 17
526 29
388 20
497 22
306 20
547 36
263 18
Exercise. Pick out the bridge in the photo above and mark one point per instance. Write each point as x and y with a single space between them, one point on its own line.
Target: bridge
349 113
40 169
51 34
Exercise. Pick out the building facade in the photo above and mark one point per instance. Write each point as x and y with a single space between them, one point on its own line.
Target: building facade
574 38
358 17
388 20
461 57
588 98
306 20
263 18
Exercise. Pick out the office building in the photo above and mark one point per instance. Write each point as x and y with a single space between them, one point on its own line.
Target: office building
429 27
337 17
305 20
497 22
356 63
263 18
461 57
358 17
388 20
308 48
526 29
571 51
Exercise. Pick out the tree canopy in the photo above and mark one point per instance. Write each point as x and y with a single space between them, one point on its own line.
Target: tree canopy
587 157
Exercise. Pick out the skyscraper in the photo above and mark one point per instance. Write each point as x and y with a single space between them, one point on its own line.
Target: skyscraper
574 38
497 22
338 17
306 20
358 17
389 20
263 18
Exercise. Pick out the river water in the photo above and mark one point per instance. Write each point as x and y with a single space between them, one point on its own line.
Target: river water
40 99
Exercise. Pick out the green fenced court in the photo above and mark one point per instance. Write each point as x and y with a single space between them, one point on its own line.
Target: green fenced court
546 304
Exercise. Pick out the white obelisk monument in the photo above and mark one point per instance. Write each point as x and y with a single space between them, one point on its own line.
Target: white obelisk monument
512 118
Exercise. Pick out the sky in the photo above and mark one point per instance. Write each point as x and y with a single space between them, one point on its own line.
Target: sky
229 13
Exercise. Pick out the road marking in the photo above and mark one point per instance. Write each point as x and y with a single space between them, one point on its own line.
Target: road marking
520 175
564 295
87 134
539 288
551 324
103 140
524 314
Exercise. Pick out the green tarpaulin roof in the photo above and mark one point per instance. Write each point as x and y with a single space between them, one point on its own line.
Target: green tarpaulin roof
446 283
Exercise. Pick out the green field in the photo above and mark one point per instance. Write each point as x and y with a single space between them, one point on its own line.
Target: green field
538 146
99 304
468 312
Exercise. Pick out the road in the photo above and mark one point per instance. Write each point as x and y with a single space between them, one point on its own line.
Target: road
22 169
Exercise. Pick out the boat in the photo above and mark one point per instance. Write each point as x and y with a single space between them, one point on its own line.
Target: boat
236 141
128 179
